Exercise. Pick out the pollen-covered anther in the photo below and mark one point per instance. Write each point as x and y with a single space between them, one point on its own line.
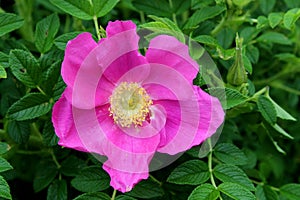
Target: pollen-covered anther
129 104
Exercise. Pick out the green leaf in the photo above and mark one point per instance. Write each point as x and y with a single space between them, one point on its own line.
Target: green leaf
290 18
49 136
235 191
265 193
232 173
93 196
262 22
46 171
4 189
204 192
146 189
91 179
81 9
267 109
4 147
4 165
62 40
228 97
193 172
275 19
281 131
252 53
9 22
266 5
292 3
25 67
203 14
230 154
72 166
18 131
153 7
2 72
45 32
281 113
84 9
57 190
123 197
50 77
207 39
274 37
30 106
290 191
247 64
102 7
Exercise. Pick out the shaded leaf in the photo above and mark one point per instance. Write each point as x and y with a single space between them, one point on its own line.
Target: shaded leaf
57 190
232 173
9 22
18 131
267 109
290 191
4 189
193 172
230 154
265 193
146 189
204 192
235 191
30 106
93 196
46 171
91 179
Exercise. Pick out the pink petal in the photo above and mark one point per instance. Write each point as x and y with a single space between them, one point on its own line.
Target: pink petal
174 85
124 181
190 122
109 57
75 53
211 116
117 26
169 51
63 122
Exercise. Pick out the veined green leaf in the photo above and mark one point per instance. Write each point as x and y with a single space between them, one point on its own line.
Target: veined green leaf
146 190
281 131
102 7
290 191
30 106
46 30
290 18
45 174
265 193
275 18
274 37
267 109
236 191
123 197
193 172
4 165
281 113
91 179
25 67
232 173
266 5
57 190
203 14
153 7
204 192
62 40
93 196
4 147
2 72
230 154
4 189
72 166
18 131
9 22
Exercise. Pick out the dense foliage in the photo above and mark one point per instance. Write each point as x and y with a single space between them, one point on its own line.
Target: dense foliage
257 155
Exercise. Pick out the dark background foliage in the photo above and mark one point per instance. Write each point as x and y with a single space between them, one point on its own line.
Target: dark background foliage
258 153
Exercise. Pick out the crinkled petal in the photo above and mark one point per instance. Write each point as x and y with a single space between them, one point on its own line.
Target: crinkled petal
63 122
169 51
111 55
190 122
123 180
211 116
75 53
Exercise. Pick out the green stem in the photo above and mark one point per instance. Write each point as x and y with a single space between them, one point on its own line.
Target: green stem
142 15
210 164
114 195
41 90
173 14
54 159
155 180
97 27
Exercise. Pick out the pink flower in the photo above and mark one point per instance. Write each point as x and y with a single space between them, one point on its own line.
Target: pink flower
126 106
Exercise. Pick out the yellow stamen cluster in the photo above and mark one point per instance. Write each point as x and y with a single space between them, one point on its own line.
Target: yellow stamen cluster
129 104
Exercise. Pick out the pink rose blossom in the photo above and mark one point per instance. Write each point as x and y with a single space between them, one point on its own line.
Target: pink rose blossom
126 106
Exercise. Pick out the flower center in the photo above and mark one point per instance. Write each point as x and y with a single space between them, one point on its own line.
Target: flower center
129 104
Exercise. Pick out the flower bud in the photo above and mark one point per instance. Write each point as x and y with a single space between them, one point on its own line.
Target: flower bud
237 74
